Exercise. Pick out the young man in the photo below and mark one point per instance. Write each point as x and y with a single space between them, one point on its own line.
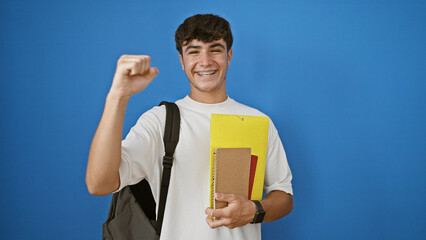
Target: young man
204 43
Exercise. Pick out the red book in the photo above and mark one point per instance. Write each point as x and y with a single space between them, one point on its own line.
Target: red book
253 165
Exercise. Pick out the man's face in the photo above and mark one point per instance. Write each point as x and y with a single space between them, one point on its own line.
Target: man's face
205 65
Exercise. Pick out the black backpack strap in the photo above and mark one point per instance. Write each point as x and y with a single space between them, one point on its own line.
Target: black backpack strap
171 138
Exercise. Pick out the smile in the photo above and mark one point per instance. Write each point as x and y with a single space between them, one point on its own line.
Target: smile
206 73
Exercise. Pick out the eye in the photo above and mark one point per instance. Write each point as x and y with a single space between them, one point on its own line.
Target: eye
192 52
217 50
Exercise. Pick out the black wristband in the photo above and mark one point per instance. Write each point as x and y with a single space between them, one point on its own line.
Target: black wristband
260 213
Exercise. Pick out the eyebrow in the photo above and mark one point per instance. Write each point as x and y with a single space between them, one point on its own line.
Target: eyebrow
192 47
199 47
217 45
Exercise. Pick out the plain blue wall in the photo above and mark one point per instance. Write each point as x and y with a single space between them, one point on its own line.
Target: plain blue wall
344 82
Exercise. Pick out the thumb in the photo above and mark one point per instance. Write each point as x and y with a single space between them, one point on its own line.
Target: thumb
152 72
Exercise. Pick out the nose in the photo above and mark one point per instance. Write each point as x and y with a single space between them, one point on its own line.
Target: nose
205 60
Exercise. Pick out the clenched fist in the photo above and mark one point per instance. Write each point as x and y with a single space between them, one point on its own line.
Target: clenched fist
133 74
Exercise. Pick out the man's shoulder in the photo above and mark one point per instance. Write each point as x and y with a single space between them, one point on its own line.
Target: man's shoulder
155 114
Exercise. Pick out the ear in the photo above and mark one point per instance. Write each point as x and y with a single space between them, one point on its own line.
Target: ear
229 56
181 62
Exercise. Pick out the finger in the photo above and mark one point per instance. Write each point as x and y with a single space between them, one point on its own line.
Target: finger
217 223
225 197
140 63
208 212
211 212
126 67
140 66
134 57
210 222
137 67
217 213
145 62
152 72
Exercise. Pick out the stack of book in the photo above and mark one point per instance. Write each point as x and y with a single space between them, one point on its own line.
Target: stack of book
238 147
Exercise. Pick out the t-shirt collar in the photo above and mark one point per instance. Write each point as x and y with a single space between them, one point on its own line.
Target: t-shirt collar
207 106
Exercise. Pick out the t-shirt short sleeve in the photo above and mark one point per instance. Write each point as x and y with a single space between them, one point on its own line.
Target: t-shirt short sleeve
277 173
141 149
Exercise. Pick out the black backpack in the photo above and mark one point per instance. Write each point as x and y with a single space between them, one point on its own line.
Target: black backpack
132 211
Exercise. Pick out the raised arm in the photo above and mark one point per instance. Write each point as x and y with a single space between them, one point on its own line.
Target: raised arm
133 74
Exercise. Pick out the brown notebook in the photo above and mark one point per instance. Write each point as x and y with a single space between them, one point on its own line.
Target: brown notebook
232 172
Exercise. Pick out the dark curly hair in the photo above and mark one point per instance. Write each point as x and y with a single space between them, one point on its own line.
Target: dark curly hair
203 27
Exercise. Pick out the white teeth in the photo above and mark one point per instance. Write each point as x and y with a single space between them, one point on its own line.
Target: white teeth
206 73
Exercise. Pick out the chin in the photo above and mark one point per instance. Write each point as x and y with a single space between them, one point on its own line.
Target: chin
204 88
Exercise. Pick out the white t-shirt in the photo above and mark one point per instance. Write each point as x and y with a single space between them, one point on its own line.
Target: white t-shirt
188 196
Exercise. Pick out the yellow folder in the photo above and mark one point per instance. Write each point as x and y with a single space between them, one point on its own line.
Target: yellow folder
238 131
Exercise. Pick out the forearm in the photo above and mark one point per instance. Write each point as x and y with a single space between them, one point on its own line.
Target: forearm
102 175
277 205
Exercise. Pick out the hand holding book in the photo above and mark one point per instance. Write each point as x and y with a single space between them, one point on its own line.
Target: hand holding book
239 212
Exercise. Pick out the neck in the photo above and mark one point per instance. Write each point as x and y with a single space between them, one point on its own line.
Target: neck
209 98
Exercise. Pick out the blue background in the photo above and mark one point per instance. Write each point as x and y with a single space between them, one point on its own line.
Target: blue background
344 82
